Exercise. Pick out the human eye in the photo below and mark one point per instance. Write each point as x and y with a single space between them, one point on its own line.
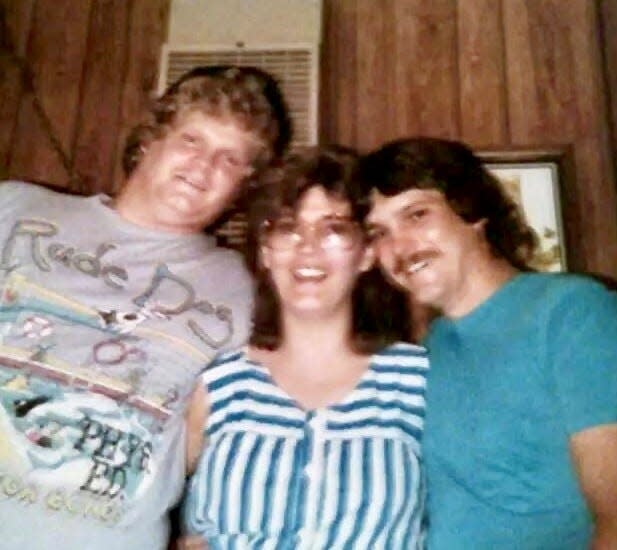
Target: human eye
231 160
338 233
337 227
188 138
375 233
226 160
285 226
283 234
415 213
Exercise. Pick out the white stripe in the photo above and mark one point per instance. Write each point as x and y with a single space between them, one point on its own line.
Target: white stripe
257 407
244 385
407 461
354 494
257 488
378 496
374 414
281 486
260 428
401 361
330 497
234 512
214 498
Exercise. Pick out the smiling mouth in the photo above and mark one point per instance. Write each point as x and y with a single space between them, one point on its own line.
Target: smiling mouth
414 267
309 274
199 186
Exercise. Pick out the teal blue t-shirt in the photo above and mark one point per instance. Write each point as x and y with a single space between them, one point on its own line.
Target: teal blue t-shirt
509 384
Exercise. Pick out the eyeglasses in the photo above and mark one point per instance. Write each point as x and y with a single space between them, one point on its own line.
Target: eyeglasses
329 233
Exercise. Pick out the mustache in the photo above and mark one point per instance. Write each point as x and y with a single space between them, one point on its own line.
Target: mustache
402 263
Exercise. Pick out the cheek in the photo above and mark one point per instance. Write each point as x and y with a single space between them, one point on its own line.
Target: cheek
383 252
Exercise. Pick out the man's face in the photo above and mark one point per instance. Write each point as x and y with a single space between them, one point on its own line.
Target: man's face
425 247
190 175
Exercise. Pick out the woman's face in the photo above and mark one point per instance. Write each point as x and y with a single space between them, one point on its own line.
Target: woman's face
315 256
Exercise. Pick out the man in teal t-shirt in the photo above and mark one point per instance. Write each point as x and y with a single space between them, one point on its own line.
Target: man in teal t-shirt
521 430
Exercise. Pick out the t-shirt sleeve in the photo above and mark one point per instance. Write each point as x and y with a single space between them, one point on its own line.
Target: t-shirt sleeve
582 342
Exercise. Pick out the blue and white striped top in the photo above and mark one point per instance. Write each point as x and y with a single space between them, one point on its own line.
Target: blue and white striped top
274 475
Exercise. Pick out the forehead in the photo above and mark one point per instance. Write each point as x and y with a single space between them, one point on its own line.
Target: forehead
224 129
316 203
384 208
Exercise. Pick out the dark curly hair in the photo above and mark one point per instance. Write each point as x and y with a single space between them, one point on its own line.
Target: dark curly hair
249 95
380 313
470 189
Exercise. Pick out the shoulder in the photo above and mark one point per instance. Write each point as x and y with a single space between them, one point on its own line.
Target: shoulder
226 364
12 189
402 355
217 258
559 285
24 195
569 292
228 357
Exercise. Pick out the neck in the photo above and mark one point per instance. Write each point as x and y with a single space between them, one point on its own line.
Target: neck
312 339
488 276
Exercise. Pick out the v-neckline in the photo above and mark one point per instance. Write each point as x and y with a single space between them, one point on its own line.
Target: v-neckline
347 397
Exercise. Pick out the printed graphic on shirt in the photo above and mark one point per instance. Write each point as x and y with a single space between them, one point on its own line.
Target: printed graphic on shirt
84 397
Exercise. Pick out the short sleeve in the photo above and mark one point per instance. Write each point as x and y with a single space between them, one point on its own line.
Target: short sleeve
582 352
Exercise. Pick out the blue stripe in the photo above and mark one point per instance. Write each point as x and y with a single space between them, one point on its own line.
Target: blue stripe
343 494
260 418
367 484
297 492
386 510
270 482
323 487
391 386
400 516
251 395
240 376
418 370
230 459
246 481
402 350
395 404
405 427
224 358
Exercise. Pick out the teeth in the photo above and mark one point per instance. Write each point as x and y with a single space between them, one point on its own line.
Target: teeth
309 272
190 182
417 266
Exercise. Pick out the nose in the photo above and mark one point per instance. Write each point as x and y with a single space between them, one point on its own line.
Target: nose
308 239
202 158
398 243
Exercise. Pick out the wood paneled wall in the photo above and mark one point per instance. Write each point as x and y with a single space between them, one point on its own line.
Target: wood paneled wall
494 73
95 66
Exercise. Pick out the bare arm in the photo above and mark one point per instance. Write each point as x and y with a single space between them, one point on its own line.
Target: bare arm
195 419
594 451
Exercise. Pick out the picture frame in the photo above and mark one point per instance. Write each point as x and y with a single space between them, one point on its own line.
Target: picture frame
541 182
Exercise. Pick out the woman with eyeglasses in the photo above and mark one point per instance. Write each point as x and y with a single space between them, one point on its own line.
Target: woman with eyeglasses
313 430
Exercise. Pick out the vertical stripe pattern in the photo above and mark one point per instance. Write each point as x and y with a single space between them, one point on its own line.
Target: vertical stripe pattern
347 476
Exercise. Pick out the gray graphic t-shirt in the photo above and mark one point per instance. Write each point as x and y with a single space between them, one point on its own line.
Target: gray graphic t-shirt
103 328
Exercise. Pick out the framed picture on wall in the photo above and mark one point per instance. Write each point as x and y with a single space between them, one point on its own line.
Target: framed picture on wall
535 180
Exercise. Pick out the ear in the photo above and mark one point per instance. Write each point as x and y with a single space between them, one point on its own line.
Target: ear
480 225
368 258
264 257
